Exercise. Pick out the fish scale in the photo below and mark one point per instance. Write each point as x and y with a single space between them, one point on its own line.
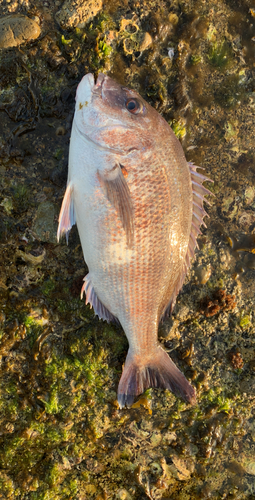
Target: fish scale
138 206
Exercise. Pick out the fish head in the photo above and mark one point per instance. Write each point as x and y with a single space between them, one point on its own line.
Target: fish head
116 118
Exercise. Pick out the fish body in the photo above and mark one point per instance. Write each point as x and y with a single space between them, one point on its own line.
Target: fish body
138 206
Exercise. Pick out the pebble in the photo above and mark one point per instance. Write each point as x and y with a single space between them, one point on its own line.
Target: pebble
146 42
249 467
182 312
77 13
202 274
17 29
123 494
249 195
170 52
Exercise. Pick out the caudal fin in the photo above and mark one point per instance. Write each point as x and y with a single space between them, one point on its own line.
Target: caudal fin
157 371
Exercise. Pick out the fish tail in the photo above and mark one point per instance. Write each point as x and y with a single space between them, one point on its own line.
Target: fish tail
157 371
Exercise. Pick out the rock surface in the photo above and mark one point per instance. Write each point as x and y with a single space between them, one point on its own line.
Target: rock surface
17 29
45 225
76 13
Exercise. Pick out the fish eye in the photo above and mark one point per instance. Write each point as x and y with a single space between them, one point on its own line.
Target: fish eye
133 106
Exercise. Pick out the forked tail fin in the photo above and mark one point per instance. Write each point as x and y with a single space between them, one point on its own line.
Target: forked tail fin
157 371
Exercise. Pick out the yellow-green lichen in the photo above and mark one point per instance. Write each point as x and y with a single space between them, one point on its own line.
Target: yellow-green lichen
179 128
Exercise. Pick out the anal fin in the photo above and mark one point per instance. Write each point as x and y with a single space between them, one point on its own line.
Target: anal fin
92 299
67 216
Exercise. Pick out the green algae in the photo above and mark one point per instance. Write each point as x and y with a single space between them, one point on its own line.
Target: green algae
245 320
48 287
219 54
195 59
66 42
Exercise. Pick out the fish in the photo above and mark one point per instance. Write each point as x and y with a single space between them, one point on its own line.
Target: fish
138 205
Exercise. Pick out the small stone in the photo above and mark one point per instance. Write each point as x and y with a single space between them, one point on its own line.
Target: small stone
173 19
123 494
146 42
202 274
17 29
182 312
156 439
249 194
77 13
170 52
249 467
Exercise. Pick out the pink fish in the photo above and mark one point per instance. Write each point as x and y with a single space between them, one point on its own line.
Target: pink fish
138 206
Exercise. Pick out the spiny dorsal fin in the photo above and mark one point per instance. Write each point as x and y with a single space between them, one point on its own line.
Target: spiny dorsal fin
199 193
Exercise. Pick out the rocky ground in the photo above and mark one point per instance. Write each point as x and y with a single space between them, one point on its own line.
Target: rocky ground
62 434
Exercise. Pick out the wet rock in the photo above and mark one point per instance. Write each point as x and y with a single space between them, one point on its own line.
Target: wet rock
17 29
249 467
45 226
248 386
77 13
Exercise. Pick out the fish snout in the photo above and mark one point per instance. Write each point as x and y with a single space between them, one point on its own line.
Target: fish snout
84 89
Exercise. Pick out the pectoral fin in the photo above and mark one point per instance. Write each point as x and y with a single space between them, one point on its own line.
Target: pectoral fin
117 191
67 216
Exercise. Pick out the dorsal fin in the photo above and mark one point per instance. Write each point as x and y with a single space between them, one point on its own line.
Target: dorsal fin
199 193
